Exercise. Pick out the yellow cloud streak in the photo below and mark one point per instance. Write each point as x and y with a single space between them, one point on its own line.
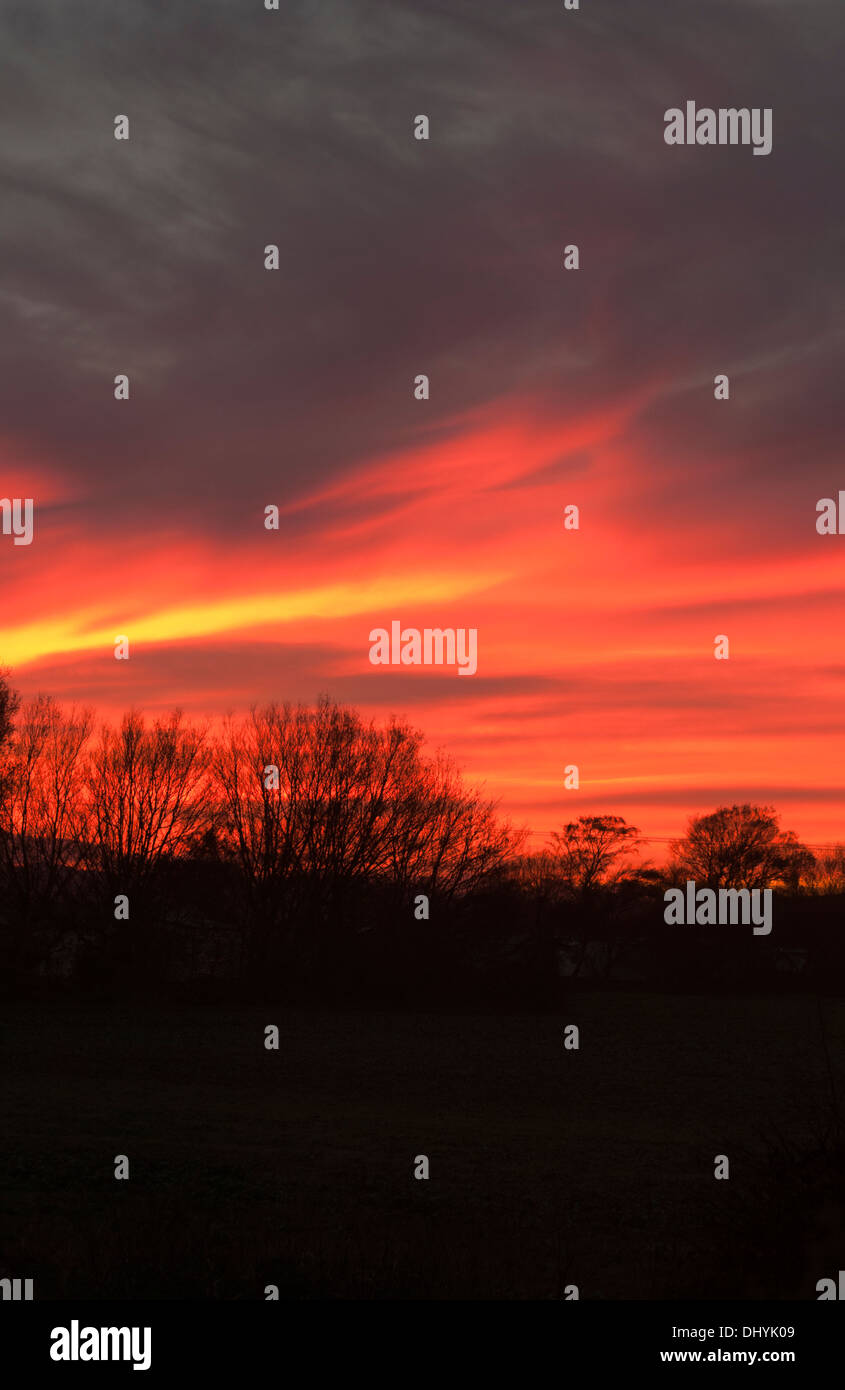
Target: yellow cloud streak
35 641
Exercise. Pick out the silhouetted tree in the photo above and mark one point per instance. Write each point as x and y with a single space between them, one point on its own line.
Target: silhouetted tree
41 816
9 705
589 859
146 800
829 873
318 804
740 846
594 852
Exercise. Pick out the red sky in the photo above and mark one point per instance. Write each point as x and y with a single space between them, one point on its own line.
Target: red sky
549 387
595 647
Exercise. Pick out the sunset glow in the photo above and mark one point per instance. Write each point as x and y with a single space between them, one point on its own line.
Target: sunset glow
549 387
595 646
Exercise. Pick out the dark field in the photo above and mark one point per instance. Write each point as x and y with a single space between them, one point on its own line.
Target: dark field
548 1167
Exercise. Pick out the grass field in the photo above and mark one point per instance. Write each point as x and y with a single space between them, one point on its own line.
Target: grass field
548 1167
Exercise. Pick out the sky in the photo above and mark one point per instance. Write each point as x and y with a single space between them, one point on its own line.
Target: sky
548 387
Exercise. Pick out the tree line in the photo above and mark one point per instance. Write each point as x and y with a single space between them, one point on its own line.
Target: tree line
325 843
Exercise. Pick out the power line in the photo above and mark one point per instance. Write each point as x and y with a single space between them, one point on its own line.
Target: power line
670 839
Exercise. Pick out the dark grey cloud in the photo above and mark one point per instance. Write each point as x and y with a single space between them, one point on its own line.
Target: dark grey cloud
636 702
250 127
693 800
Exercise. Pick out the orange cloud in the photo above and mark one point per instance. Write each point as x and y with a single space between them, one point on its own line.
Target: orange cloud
595 646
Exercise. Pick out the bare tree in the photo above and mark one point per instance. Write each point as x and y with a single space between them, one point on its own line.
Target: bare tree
41 812
829 872
317 803
443 837
9 705
146 799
